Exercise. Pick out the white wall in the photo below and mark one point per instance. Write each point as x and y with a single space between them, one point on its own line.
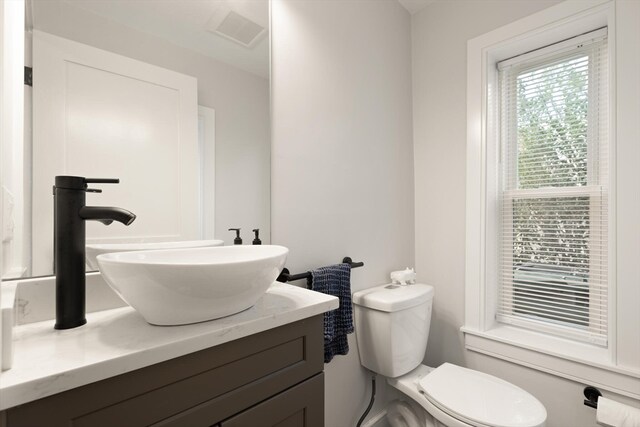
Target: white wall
439 35
342 154
240 99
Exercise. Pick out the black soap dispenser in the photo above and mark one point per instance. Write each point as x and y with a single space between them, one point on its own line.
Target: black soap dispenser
257 240
237 240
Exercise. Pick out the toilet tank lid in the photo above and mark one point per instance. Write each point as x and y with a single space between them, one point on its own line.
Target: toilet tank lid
393 297
481 399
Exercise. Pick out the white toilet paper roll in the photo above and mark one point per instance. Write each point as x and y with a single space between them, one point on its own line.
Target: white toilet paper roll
615 414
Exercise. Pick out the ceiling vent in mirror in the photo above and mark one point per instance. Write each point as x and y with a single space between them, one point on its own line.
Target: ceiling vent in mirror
236 27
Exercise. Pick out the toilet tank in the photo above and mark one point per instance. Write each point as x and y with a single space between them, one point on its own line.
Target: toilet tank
392 327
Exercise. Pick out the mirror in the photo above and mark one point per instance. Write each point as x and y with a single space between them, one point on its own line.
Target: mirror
169 96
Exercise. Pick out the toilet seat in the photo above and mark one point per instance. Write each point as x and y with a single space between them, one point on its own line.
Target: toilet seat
442 395
480 399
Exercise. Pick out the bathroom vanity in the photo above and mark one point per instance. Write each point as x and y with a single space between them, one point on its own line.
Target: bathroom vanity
261 367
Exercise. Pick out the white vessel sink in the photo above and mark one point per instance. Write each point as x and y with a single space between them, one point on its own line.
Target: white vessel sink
92 251
180 286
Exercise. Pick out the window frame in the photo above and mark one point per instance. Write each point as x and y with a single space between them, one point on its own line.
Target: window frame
574 360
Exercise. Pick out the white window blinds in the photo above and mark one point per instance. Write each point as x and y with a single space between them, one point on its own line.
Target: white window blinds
554 189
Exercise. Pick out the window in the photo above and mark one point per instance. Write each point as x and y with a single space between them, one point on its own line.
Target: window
552 194
553 189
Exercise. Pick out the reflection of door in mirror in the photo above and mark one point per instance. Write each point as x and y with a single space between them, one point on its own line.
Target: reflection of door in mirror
207 144
99 114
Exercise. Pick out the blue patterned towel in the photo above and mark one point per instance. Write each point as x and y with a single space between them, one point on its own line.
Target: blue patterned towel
335 280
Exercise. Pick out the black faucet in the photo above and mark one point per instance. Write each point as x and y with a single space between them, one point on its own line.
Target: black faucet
69 216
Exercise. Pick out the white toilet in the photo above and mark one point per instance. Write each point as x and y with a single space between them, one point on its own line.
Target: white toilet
392 328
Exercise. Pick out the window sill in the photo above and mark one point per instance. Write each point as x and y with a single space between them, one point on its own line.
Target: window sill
580 362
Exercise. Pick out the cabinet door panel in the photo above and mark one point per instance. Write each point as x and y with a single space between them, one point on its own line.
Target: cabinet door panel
158 404
299 406
294 420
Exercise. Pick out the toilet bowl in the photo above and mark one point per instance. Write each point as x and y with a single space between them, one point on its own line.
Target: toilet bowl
392 326
401 414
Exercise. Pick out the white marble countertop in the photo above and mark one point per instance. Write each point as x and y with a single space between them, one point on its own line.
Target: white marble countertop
116 341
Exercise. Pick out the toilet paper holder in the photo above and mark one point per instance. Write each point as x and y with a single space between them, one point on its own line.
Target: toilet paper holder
592 394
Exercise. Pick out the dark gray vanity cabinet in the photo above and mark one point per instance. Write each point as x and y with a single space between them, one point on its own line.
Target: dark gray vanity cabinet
273 378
